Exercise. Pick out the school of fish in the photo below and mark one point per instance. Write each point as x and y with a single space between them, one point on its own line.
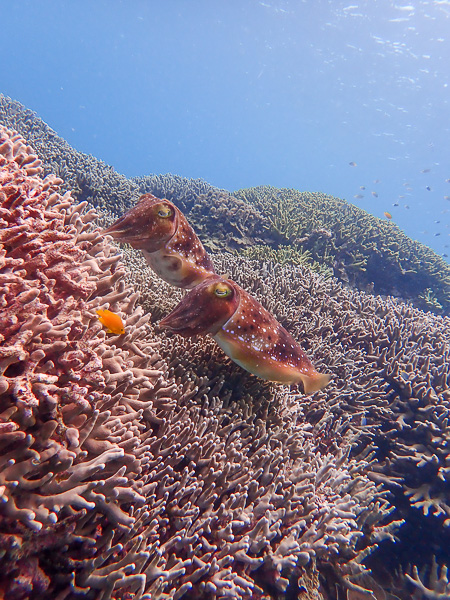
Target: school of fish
215 305
409 191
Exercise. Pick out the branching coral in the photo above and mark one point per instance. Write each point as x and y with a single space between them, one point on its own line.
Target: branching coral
124 472
66 391
391 386
151 465
391 367
287 255
439 585
365 249
429 300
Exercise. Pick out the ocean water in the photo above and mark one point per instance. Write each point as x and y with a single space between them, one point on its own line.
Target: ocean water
348 98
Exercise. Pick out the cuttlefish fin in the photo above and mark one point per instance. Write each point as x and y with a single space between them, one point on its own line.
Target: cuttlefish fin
314 381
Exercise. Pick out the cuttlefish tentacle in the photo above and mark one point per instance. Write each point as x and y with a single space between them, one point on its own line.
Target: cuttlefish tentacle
169 244
245 331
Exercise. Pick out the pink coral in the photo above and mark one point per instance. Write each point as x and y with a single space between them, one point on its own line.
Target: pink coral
58 370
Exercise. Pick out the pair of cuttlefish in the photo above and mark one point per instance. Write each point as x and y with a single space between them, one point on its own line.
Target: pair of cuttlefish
240 325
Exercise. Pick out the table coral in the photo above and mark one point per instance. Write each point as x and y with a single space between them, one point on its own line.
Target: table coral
361 248
391 366
391 390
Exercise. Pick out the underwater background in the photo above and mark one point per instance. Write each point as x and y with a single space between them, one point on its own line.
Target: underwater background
346 98
306 144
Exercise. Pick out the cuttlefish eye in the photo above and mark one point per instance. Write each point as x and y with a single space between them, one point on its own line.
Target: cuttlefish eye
222 290
165 212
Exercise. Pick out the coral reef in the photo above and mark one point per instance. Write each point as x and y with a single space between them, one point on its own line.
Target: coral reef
288 255
150 466
391 384
362 250
390 391
122 472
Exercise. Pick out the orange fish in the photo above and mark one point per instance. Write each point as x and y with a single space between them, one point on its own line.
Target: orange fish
245 331
387 215
111 321
168 242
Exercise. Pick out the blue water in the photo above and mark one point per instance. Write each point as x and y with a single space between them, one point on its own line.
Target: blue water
244 93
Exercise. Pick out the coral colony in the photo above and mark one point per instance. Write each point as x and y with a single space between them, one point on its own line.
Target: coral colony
149 466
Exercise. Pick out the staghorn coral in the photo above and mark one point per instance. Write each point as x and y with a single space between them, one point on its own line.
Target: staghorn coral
429 300
390 389
439 585
365 250
389 402
287 255
391 366
64 452
121 471
392 363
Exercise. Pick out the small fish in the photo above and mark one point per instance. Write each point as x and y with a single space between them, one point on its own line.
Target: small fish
111 321
387 215
428 188
358 196
406 375
447 180
374 194
436 234
168 242
245 331
362 187
352 164
425 170
376 180
446 197
407 206
395 204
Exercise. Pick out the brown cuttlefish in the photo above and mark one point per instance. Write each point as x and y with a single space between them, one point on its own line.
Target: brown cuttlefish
168 242
245 331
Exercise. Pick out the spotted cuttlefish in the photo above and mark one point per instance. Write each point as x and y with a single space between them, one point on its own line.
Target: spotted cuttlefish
168 242
245 331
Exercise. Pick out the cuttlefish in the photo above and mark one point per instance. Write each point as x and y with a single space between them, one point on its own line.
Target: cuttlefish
168 242
245 331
